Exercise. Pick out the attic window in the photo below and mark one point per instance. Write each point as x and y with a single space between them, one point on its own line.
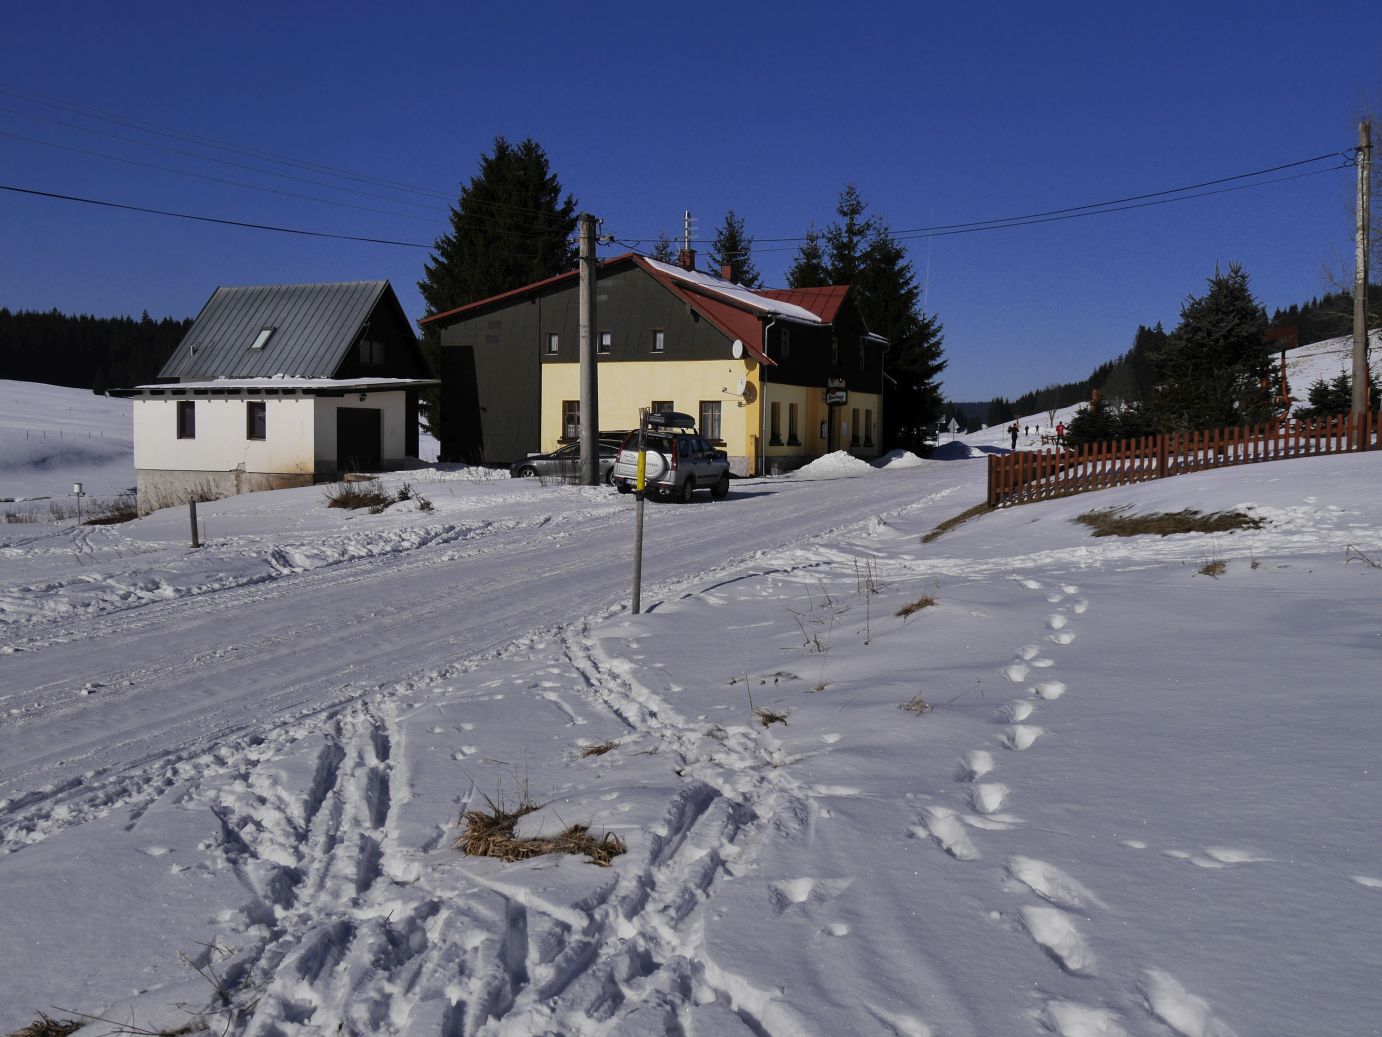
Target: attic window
262 338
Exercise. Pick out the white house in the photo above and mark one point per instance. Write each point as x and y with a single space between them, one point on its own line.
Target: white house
277 386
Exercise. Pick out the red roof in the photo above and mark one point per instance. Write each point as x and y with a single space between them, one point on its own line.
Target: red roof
824 302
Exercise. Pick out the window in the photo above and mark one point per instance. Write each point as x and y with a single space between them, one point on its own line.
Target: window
834 350
606 343
570 419
256 420
371 352
792 439
661 407
786 343
775 424
868 428
659 340
854 424
553 343
260 340
187 419
863 355
710 419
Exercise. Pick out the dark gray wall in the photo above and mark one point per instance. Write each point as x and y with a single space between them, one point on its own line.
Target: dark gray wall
491 359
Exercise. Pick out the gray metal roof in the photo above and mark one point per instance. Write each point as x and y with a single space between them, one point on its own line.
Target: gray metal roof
314 326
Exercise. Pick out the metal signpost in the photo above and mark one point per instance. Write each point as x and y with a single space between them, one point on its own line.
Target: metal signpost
638 495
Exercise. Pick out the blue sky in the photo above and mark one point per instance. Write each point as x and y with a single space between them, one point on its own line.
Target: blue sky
941 114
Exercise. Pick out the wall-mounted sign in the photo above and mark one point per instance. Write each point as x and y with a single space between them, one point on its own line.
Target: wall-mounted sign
834 383
836 397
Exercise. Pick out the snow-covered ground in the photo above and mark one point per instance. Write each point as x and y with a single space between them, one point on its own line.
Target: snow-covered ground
1143 800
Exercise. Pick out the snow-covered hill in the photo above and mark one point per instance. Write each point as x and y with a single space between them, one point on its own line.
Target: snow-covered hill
1133 791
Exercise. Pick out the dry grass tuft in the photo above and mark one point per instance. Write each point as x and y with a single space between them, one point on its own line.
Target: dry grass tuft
113 512
924 602
598 749
768 717
916 704
353 495
491 834
1113 522
46 1026
951 523
1216 568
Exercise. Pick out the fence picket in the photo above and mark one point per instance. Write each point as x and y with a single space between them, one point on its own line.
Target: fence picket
1031 475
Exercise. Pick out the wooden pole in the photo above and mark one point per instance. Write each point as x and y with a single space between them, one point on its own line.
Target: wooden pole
192 514
1361 402
590 392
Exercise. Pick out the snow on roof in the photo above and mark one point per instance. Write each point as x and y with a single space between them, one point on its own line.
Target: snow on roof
733 293
239 385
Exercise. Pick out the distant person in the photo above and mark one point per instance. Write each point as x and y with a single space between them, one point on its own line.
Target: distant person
1060 432
1012 431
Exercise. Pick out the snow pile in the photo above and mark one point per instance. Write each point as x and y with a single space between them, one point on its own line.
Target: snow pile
898 459
956 450
832 466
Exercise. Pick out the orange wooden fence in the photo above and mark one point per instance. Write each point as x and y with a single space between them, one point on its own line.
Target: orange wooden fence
1031 475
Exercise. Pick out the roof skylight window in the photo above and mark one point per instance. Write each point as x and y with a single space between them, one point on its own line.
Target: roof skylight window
262 338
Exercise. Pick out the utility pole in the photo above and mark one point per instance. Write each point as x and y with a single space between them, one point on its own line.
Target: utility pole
1361 403
590 385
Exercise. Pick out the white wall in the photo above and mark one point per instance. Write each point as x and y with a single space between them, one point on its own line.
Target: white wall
220 444
392 422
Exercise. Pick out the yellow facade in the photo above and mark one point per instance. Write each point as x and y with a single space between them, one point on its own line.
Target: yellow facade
745 416
628 385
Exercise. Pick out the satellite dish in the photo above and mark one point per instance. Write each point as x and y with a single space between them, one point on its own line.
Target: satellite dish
737 351
743 381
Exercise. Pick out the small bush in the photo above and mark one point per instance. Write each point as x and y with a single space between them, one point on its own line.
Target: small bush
1114 522
599 749
1215 568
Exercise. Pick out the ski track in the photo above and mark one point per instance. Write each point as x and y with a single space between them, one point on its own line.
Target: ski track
337 931
211 734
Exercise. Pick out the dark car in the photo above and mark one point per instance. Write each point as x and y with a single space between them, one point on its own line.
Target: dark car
564 463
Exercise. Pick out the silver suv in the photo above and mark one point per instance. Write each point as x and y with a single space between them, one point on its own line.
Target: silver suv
680 460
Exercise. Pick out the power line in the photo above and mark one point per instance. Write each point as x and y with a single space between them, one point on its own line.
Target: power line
210 219
220 145
975 228
240 223
207 158
210 142
1076 209
217 179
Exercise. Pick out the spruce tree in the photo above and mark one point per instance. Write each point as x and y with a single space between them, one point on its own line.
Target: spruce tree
808 270
510 227
1215 369
662 249
846 241
732 248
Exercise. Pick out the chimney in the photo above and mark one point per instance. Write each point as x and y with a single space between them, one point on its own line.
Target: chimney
686 259
727 272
